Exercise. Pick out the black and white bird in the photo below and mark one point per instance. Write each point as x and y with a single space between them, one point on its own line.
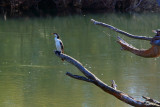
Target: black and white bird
59 44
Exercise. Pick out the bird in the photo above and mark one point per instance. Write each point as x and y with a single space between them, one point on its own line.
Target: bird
59 44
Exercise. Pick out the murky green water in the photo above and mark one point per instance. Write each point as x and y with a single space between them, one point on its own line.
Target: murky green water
32 76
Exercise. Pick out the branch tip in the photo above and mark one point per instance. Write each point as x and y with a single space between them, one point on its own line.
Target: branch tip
94 22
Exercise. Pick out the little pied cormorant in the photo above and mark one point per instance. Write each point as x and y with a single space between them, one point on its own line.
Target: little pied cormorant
59 44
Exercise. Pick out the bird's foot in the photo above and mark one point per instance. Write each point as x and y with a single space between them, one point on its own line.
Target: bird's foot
57 52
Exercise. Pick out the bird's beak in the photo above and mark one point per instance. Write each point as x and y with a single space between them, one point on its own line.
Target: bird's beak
53 34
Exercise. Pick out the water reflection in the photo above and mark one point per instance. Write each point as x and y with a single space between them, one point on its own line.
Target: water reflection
31 75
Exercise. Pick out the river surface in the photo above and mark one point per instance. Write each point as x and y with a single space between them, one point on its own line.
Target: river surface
31 75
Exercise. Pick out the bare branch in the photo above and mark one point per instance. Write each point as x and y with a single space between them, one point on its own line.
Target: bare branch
121 31
77 64
79 77
118 94
138 4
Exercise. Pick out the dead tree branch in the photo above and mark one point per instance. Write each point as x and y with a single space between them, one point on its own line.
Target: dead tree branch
90 77
138 4
121 31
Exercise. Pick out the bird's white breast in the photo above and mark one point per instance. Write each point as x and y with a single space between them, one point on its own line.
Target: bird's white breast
58 45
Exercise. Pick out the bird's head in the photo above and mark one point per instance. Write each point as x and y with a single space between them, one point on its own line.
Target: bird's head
56 35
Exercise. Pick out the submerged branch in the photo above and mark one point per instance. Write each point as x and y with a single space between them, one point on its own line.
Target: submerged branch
93 79
121 31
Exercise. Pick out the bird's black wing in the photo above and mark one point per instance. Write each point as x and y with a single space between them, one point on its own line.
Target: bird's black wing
62 47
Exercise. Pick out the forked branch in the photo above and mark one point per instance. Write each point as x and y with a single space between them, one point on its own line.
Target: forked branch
121 31
90 77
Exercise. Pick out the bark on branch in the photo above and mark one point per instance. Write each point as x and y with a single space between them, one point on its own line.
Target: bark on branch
90 77
120 31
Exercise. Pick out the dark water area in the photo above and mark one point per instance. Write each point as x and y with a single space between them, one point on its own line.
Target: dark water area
32 76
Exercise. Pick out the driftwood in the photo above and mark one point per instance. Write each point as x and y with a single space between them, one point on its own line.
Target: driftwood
152 52
120 31
91 78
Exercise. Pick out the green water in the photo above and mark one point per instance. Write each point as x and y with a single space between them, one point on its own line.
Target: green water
32 76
